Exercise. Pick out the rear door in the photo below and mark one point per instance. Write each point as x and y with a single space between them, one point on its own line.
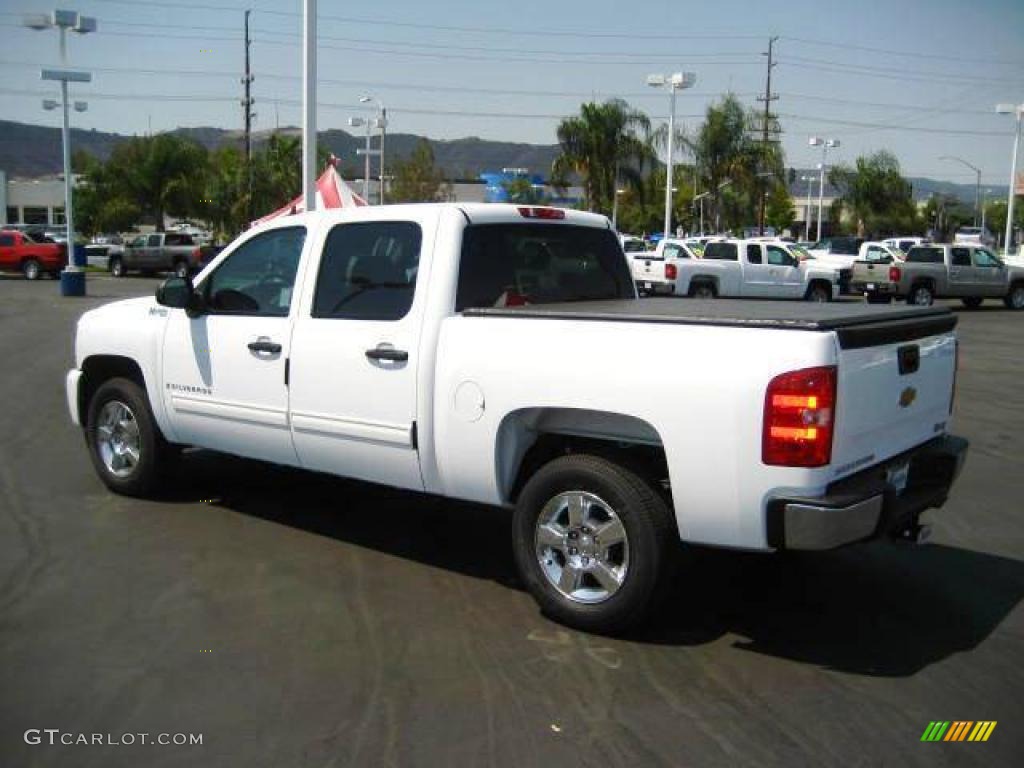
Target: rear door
963 277
893 395
355 351
757 278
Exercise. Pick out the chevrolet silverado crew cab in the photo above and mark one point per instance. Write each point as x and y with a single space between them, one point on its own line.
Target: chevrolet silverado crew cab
655 272
159 252
971 273
499 354
876 272
754 269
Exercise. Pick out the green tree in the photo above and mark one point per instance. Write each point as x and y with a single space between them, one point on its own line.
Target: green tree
879 198
600 145
521 190
779 211
417 179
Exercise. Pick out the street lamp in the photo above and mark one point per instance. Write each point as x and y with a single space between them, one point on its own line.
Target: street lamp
674 82
357 122
826 145
1009 109
977 182
807 218
382 124
615 209
72 281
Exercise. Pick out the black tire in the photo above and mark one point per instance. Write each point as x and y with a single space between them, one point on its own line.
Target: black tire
703 290
31 269
972 302
921 295
653 542
818 292
181 269
876 298
1015 298
155 454
117 267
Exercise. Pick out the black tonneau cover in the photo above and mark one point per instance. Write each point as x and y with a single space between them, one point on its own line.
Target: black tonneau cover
856 325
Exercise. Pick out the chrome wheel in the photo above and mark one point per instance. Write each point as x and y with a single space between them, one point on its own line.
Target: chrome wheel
703 291
1017 297
117 438
582 547
181 270
921 296
116 268
31 269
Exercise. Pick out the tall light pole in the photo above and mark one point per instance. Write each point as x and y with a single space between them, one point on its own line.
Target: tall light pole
356 122
674 82
309 104
977 182
826 145
72 280
807 218
382 124
615 207
1009 109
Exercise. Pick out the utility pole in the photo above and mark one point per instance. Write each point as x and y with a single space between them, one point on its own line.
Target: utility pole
768 98
247 103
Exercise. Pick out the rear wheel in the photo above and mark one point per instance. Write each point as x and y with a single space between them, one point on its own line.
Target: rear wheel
703 291
595 544
116 267
30 269
125 445
1015 298
972 302
922 295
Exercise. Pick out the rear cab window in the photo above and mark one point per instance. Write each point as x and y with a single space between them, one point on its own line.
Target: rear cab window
721 251
504 265
923 254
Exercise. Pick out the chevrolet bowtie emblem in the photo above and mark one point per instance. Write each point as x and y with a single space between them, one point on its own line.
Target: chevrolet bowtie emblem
907 396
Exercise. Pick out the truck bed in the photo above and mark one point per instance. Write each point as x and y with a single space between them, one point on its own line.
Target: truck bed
856 325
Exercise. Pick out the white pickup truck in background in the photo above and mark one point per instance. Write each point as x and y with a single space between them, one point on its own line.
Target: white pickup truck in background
655 272
498 354
754 269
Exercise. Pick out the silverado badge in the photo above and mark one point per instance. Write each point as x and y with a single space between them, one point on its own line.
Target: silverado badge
907 396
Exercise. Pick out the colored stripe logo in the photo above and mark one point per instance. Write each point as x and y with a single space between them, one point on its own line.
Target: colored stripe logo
959 730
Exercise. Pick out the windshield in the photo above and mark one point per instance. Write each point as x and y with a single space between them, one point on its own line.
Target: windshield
507 265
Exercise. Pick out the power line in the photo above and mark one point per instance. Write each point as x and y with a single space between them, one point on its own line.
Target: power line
867 71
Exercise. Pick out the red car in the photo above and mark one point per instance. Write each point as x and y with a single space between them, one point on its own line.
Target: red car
21 253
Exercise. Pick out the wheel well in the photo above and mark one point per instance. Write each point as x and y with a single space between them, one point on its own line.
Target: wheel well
927 282
822 282
703 280
529 439
100 368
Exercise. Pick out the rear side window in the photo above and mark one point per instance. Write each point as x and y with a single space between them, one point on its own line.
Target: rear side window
507 265
924 255
675 252
877 255
177 239
368 271
961 257
721 251
754 254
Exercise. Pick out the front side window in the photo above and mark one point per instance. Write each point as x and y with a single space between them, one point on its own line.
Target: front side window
778 257
368 271
506 265
985 258
258 278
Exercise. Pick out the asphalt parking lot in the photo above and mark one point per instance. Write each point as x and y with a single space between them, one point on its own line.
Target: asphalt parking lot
295 619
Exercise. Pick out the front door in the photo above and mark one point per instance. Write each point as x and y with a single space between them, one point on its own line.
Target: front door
355 351
990 273
224 371
785 272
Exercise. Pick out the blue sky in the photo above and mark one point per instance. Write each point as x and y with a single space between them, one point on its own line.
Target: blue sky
918 78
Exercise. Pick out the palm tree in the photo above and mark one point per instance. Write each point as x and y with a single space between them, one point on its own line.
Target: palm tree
603 141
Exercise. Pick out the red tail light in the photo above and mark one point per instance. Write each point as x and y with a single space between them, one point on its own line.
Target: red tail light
671 272
541 213
799 414
894 274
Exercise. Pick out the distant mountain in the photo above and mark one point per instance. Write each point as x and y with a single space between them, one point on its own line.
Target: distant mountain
35 150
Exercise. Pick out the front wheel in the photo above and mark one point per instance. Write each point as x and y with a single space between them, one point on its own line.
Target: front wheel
1015 298
921 296
595 544
125 445
30 269
116 267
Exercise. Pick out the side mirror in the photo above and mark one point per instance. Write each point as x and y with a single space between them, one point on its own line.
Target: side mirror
178 293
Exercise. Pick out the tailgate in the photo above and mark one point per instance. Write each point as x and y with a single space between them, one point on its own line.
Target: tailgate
648 269
894 391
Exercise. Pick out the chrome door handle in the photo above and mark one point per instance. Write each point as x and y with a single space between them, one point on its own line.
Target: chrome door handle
387 353
265 345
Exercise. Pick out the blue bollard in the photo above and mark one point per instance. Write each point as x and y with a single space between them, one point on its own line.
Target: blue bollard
72 279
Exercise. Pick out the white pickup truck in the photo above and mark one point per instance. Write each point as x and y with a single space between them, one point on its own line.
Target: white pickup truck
754 269
655 272
498 354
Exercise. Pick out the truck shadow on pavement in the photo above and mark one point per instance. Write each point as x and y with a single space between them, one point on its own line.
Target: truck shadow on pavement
879 609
